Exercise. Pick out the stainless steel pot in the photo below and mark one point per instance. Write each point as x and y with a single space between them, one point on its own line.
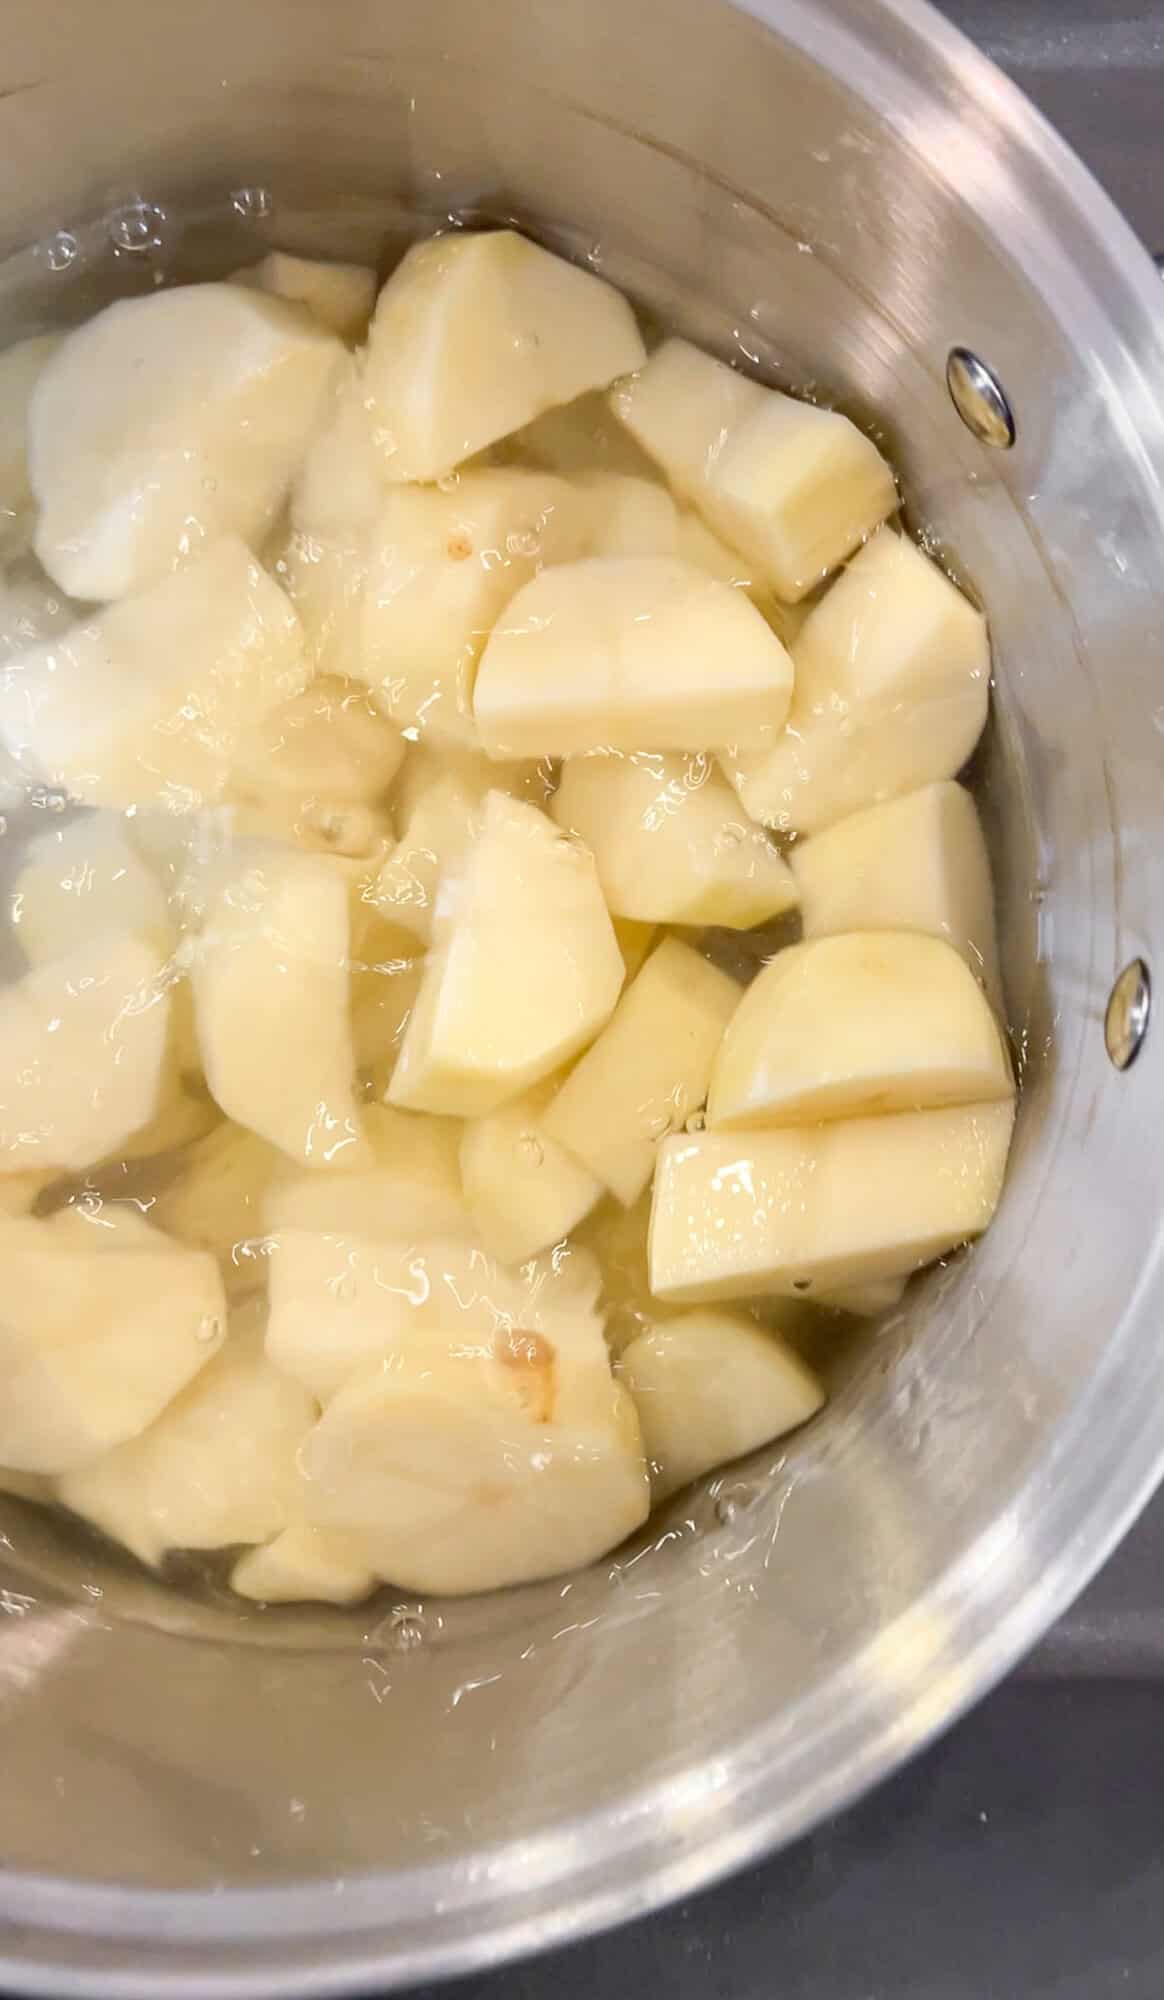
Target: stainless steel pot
198 1799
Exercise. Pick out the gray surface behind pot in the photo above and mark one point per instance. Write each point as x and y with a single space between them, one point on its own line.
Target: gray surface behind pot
565 1755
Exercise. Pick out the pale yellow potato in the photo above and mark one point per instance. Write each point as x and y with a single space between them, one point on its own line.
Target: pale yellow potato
382 999
710 1386
880 1295
341 1301
795 488
524 969
304 1564
20 369
327 748
797 1211
79 880
341 480
581 437
846 1026
439 804
616 653
627 516
218 1467
97 1336
524 1191
917 863
270 979
464 1468
148 702
215 1200
648 1070
671 842
474 335
634 941
340 296
892 687
412 1192
99 1013
168 420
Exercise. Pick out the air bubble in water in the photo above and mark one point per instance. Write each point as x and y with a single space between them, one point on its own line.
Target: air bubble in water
448 482
209 1328
137 228
253 204
406 1629
60 251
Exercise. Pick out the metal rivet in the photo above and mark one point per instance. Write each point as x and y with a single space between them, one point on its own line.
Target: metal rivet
1126 1021
979 399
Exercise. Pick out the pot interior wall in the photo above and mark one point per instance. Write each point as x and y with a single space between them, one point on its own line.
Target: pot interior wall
743 1658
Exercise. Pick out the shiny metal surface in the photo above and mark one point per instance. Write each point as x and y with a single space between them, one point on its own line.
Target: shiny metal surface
980 399
200 1799
1126 1021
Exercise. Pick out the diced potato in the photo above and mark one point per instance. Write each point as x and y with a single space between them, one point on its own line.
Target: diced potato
795 488
617 1238
148 702
618 653
82 1049
440 801
670 841
917 863
343 477
382 1000
634 942
304 1564
464 1468
524 1192
648 1070
20 370
846 1026
523 972
412 1192
329 746
868 1301
80 880
627 517
474 336
216 1199
581 437
441 568
794 1212
341 1301
339 296
712 1386
217 1468
270 983
892 685
165 420
96 1339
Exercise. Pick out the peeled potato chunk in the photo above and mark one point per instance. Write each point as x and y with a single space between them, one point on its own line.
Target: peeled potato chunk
96 1338
865 1301
711 1386
634 942
82 1048
215 1201
21 367
796 489
614 653
440 800
892 686
166 419
329 746
80 880
304 1564
670 841
412 1192
917 863
648 1070
474 335
340 1300
523 972
270 981
217 1468
523 1190
797 1211
148 702
846 1026
465 1468
339 296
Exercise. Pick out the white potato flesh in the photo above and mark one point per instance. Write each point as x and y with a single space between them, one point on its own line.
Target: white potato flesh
710 1386
328 747
341 1301
524 969
217 1468
270 979
96 1339
474 335
523 1191
80 880
339 296
797 1211
382 999
616 653
441 567
341 481
917 863
439 804
627 516
892 686
83 1042
215 1200
648 1070
168 420
302 1565
148 702
579 438
461 1469
843 1027
20 369
868 1301
413 1190
671 842
795 488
